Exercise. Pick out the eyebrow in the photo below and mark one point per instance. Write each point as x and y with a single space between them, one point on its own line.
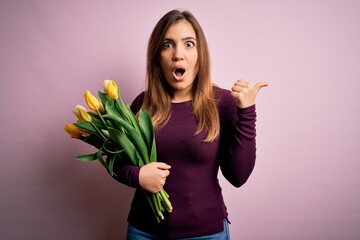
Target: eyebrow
183 39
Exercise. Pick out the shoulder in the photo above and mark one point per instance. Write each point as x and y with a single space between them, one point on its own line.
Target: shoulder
225 102
137 102
223 98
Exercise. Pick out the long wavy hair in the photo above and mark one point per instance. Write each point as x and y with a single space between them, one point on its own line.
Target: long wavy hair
157 98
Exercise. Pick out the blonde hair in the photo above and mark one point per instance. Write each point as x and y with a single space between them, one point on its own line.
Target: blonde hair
157 98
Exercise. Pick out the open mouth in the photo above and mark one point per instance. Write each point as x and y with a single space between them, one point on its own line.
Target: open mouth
179 72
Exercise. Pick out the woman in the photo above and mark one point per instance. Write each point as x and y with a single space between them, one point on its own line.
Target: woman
199 129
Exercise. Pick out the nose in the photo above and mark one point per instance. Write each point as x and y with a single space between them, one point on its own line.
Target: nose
178 54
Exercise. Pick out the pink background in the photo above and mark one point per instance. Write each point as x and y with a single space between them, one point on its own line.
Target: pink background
306 184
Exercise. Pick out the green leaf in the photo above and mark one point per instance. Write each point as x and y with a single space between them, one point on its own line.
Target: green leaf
111 164
112 110
146 127
128 115
87 157
121 111
93 140
109 123
135 137
101 160
141 161
110 148
122 140
103 97
89 127
112 122
96 119
86 126
153 154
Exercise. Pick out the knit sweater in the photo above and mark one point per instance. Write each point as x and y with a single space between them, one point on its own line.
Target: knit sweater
193 186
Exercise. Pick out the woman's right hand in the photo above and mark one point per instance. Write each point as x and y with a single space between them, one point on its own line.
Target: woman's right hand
152 176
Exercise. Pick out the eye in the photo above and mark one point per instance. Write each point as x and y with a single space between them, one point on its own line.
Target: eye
168 45
190 44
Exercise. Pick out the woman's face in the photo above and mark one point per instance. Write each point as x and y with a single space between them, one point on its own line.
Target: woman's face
179 59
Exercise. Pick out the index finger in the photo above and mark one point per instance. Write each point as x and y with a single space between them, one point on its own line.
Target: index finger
163 166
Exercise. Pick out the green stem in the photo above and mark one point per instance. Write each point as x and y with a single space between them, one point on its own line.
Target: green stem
159 198
155 199
119 99
100 133
151 203
165 199
102 119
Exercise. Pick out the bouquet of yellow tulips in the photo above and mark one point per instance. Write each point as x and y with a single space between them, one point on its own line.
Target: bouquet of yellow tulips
119 135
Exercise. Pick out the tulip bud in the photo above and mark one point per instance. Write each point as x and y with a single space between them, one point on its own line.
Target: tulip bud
111 89
76 111
84 134
91 101
72 130
85 115
105 132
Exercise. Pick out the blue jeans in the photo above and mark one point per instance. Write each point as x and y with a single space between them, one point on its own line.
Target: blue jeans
136 234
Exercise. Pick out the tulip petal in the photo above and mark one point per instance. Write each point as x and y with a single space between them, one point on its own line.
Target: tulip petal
72 130
112 90
85 115
91 101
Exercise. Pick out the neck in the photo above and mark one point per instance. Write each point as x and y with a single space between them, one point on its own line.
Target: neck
181 97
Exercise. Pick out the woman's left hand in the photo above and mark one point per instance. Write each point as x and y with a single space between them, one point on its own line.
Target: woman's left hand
244 92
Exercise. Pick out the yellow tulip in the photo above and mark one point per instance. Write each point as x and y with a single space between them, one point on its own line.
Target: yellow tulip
111 89
84 134
72 130
85 115
92 101
76 111
105 83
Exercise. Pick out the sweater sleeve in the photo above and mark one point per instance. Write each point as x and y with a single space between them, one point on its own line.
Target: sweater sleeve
129 174
237 142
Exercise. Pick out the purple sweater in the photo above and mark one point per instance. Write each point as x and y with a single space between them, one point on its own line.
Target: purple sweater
193 186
